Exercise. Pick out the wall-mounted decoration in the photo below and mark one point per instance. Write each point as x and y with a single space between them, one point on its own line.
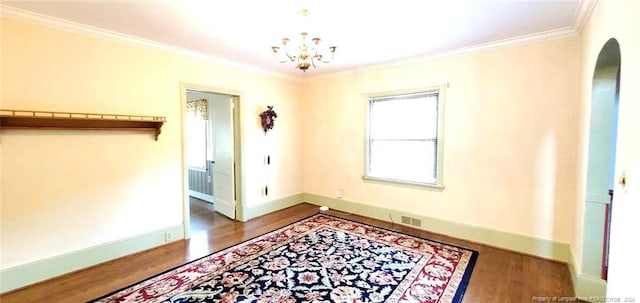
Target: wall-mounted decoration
268 118
25 119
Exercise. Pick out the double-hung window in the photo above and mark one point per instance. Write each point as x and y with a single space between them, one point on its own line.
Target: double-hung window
404 137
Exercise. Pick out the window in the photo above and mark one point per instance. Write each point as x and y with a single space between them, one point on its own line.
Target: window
196 138
197 126
404 138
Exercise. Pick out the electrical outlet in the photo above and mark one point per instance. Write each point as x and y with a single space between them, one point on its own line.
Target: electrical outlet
167 237
339 193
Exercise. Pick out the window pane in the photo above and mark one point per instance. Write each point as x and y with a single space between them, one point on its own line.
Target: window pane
196 139
403 160
403 137
404 118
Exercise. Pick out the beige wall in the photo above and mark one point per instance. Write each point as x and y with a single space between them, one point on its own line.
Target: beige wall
509 138
70 190
619 20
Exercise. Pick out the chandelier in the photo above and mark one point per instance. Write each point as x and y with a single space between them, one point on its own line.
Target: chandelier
304 55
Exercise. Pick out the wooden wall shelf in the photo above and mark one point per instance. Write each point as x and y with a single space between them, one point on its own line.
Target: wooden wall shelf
22 119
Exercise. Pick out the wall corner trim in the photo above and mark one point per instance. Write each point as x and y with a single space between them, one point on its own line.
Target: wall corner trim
26 274
583 14
584 285
587 286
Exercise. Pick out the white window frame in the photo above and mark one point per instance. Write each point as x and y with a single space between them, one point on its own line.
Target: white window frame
440 136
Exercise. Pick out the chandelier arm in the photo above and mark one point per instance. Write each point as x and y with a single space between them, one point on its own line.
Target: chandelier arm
326 61
277 51
333 52
314 57
291 58
280 60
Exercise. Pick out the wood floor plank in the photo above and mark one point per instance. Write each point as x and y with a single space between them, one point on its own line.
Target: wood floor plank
499 275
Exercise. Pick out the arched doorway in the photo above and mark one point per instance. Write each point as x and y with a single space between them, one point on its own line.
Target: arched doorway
603 129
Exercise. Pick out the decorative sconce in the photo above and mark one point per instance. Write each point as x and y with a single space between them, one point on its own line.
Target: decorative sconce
267 118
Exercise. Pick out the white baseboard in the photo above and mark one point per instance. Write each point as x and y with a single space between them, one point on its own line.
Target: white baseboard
585 286
201 196
590 287
270 206
26 274
544 248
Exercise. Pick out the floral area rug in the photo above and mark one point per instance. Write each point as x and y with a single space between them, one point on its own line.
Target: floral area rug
318 259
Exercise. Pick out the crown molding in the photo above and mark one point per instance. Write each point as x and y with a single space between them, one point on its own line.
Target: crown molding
583 14
580 19
555 34
550 35
83 29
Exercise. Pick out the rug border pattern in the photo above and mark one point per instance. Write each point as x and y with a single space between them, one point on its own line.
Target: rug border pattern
455 288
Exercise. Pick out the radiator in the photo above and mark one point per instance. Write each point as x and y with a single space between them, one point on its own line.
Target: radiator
198 182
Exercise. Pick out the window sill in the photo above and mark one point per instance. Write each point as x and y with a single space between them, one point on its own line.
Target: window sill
438 187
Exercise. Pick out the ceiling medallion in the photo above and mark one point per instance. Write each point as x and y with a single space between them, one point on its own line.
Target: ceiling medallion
304 55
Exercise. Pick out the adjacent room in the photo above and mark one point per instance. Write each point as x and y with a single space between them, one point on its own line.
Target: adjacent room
319 151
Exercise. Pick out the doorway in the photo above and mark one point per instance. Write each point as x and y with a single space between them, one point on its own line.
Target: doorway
603 130
211 154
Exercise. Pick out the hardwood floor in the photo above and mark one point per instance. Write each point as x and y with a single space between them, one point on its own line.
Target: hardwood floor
203 216
499 275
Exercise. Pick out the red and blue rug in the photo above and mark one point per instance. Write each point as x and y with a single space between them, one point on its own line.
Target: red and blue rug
318 259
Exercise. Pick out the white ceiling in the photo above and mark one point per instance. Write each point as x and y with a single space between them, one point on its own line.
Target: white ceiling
366 32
